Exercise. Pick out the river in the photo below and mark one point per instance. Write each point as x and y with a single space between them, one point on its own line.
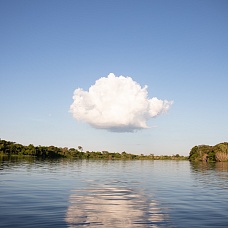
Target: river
96 193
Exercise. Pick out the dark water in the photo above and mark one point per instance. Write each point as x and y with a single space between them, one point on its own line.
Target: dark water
65 193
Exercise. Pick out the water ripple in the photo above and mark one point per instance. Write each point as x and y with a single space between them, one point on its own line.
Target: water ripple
113 206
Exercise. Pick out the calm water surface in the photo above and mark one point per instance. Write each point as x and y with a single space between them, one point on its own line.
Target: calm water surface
66 193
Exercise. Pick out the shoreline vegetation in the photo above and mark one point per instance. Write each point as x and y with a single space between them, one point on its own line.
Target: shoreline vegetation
8 148
205 153
200 153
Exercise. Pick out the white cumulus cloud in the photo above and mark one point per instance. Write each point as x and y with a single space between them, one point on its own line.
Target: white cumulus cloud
116 104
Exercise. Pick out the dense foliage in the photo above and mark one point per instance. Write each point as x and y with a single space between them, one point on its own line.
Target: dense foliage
12 148
218 152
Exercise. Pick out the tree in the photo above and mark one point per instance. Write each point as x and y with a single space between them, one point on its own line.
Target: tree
80 148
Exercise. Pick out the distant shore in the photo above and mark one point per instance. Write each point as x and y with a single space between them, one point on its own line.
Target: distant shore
8 148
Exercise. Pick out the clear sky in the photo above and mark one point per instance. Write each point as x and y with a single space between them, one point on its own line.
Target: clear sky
179 49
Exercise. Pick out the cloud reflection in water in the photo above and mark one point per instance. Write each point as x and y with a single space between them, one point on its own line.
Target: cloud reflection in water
111 206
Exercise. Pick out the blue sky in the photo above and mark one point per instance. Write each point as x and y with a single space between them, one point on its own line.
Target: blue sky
179 49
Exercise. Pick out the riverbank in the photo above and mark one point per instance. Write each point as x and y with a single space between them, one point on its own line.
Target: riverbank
8 148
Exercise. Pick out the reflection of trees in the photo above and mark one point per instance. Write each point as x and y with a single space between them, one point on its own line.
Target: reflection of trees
10 162
214 173
203 166
38 164
221 166
113 207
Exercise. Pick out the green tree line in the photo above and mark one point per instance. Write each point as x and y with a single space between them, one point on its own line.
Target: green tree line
14 149
215 153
